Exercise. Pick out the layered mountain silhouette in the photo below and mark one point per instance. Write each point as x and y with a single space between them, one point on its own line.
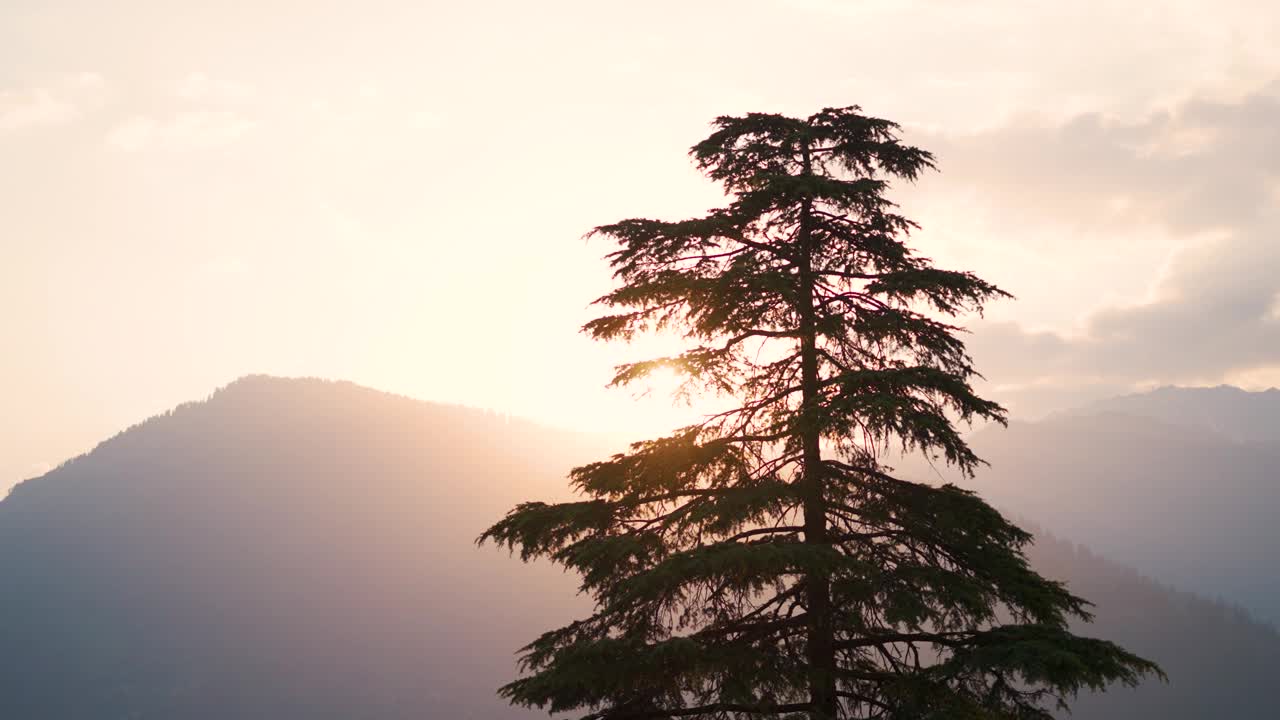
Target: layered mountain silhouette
1219 659
1148 481
1240 415
294 549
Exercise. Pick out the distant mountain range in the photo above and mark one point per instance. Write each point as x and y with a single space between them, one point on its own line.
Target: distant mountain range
1173 482
293 549
1239 415
1220 661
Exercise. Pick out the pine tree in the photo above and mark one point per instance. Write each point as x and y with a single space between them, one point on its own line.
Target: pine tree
767 562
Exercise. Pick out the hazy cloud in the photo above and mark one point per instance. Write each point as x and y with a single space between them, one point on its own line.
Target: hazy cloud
1202 165
191 130
1206 174
199 87
54 105
1060 58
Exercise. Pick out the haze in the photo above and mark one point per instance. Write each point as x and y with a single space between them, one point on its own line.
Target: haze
395 193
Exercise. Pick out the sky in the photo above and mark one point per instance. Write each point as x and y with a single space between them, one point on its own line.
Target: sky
396 193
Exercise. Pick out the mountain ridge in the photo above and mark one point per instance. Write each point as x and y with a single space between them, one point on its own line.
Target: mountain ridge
301 548
1190 505
1243 415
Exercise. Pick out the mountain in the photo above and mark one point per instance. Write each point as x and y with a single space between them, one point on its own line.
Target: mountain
1219 660
1191 507
285 549
293 549
1243 416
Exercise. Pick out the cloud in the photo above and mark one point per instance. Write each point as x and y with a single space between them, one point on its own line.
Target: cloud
1215 316
33 108
1206 176
1202 165
982 60
210 114
201 88
189 130
55 105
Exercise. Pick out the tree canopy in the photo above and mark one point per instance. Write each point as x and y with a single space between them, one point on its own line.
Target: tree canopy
766 561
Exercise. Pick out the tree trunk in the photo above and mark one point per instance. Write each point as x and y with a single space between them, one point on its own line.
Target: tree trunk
821 640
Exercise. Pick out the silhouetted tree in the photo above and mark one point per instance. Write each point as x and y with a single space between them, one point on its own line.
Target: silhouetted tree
765 562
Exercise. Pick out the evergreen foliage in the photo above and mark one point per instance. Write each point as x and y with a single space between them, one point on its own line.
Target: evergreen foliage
766 562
